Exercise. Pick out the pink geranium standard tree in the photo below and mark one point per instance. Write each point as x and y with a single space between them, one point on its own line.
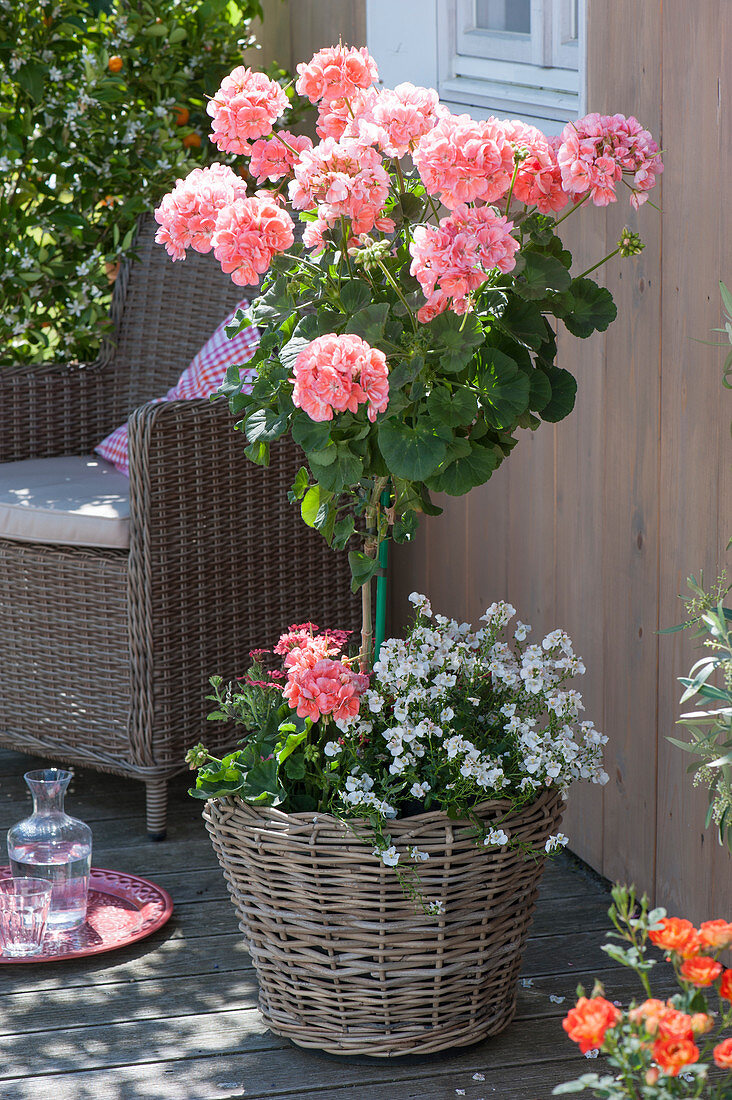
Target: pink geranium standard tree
411 333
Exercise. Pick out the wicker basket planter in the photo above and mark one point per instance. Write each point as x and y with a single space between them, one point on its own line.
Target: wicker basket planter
345 962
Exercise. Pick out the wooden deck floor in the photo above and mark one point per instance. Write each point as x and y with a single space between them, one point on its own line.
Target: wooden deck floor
148 1022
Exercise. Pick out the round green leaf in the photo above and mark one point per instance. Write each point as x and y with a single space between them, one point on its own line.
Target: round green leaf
564 390
412 453
504 388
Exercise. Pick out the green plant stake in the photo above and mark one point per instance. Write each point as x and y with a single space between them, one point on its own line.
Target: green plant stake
381 589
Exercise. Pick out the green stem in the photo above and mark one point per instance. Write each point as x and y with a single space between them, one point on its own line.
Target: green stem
435 211
344 230
399 294
285 143
510 190
575 206
598 264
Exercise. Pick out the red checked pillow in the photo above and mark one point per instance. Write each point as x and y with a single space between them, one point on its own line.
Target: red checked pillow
202 377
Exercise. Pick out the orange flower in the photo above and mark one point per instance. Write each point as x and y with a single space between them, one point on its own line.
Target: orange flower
725 986
701 970
715 933
588 1021
673 1054
192 141
649 1014
115 64
701 1023
675 1025
675 934
723 1054
181 116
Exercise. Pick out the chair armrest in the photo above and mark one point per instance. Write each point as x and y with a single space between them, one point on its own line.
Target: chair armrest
220 561
53 409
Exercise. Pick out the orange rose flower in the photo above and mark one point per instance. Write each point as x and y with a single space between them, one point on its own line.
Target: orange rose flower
673 1054
701 970
723 1054
675 934
648 1014
725 986
715 933
675 1025
588 1021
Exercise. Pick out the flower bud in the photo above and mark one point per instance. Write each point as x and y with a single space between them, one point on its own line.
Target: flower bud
630 243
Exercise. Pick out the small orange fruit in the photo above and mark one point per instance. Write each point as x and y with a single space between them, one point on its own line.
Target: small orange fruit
115 64
192 141
181 116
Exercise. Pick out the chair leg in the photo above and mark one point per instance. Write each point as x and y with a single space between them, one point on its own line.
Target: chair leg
156 805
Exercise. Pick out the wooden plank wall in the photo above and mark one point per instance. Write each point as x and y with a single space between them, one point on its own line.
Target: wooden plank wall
595 523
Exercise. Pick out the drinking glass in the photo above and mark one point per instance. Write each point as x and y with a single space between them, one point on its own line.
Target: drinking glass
24 904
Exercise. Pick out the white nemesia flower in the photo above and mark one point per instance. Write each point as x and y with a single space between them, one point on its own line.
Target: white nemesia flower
419 790
332 748
418 855
388 856
555 842
496 836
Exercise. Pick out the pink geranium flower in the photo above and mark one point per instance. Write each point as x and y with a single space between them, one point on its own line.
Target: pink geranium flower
460 160
248 234
455 258
598 150
329 687
341 179
245 107
335 116
338 373
396 120
539 178
273 158
336 72
187 215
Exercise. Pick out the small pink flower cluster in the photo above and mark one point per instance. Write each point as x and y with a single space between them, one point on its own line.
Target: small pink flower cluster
396 120
334 117
462 160
249 232
342 179
455 258
273 158
539 177
245 107
187 215
338 373
598 150
317 684
335 72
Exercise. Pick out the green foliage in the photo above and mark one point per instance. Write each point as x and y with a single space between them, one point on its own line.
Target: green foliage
710 723
99 103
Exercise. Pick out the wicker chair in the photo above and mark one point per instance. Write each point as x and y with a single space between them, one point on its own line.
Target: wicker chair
105 654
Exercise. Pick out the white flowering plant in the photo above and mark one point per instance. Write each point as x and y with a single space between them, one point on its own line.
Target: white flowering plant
449 718
102 103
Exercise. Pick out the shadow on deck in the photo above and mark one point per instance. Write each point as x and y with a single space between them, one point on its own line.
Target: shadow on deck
174 1017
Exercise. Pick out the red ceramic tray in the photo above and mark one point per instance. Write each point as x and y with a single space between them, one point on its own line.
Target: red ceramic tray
121 910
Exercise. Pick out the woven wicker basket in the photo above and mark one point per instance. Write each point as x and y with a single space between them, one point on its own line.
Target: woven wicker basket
345 962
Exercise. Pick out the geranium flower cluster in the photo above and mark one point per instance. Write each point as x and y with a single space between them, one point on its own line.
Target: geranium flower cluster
318 685
454 717
598 150
348 180
655 1041
210 209
338 373
452 260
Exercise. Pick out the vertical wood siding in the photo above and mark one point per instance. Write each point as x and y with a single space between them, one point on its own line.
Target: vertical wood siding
594 524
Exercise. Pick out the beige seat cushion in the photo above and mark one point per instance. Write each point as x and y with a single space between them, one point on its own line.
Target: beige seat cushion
77 500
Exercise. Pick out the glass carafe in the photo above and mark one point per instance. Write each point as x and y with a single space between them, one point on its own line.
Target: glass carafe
49 844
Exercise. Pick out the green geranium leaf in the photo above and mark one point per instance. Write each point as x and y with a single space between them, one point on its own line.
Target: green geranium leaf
362 568
299 485
295 766
523 320
289 353
467 472
541 273
455 339
342 532
564 390
258 453
411 453
344 469
266 425
354 295
289 746
311 435
369 323
540 390
311 504
457 409
504 388
588 308
405 371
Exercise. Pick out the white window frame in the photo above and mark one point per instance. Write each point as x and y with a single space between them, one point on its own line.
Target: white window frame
418 40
